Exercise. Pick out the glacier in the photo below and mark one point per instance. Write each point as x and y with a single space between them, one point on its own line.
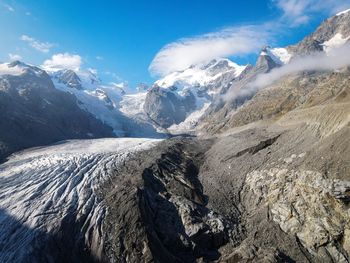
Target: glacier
42 187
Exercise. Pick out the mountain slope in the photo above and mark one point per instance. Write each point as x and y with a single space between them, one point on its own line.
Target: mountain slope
34 113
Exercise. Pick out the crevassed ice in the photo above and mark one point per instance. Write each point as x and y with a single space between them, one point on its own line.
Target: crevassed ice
42 187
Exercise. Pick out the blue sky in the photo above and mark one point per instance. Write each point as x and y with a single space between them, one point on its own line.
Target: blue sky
121 38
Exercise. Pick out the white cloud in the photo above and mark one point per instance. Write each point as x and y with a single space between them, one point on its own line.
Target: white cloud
38 45
63 61
28 13
298 12
227 42
9 8
99 57
14 57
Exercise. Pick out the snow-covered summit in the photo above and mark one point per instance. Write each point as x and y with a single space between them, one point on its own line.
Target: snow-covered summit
280 56
17 68
184 94
78 79
201 74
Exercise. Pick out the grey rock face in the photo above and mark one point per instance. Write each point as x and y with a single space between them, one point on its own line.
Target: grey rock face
301 91
265 62
261 194
34 113
165 108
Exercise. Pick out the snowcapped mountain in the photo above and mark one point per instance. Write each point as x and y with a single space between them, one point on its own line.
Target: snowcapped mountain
108 103
17 68
43 106
33 112
202 75
99 99
184 94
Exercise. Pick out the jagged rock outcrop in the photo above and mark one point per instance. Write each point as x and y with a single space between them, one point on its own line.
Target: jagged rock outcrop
276 193
166 108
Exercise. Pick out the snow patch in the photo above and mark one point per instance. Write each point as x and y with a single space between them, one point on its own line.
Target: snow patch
335 42
280 55
100 100
132 104
17 68
190 123
343 12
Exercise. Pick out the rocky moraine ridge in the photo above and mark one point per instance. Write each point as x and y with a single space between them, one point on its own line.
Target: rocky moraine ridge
263 177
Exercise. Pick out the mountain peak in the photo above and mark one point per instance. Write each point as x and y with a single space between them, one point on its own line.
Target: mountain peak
17 63
267 60
201 74
69 78
17 67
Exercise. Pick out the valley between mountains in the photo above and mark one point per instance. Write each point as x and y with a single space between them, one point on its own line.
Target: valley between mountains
219 162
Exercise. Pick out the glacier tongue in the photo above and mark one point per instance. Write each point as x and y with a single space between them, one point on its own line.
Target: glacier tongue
42 187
